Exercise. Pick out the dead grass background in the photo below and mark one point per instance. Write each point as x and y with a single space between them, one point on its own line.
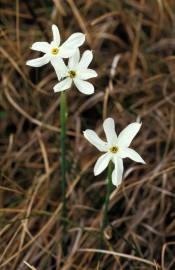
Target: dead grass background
141 234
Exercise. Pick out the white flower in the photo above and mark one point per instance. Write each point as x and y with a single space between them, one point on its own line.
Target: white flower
54 52
78 72
116 148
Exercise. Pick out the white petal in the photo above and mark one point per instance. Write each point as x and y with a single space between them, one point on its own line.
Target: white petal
93 138
38 62
66 53
109 128
85 60
73 60
53 44
75 40
127 135
84 87
56 34
118 171
41 46
63 85
87 74
59 66
68 48
101 163
132 154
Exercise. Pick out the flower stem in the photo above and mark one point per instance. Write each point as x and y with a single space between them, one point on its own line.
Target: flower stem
105 221
63 118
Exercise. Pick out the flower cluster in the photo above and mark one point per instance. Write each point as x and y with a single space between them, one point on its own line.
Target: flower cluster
77 70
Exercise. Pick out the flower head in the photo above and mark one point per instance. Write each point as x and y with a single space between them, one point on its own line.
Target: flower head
78 72
116 148
54 52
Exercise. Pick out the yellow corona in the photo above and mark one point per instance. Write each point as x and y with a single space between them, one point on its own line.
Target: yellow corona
55 51
72 74
114 149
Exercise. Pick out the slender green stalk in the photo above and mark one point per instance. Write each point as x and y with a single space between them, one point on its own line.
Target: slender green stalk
105 221
63 118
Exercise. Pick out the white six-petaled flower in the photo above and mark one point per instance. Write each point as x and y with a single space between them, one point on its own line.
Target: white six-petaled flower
116 148
54 52
78 72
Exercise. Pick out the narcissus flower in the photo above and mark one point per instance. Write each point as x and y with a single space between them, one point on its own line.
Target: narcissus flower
54 52
116 148
78 72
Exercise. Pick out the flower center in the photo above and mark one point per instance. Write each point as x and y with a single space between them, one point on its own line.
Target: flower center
55 51
114 149
72 74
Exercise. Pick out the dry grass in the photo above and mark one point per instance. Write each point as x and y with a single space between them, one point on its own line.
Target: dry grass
141 234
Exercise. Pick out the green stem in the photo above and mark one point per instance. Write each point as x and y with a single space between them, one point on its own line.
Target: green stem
63 118
105 221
